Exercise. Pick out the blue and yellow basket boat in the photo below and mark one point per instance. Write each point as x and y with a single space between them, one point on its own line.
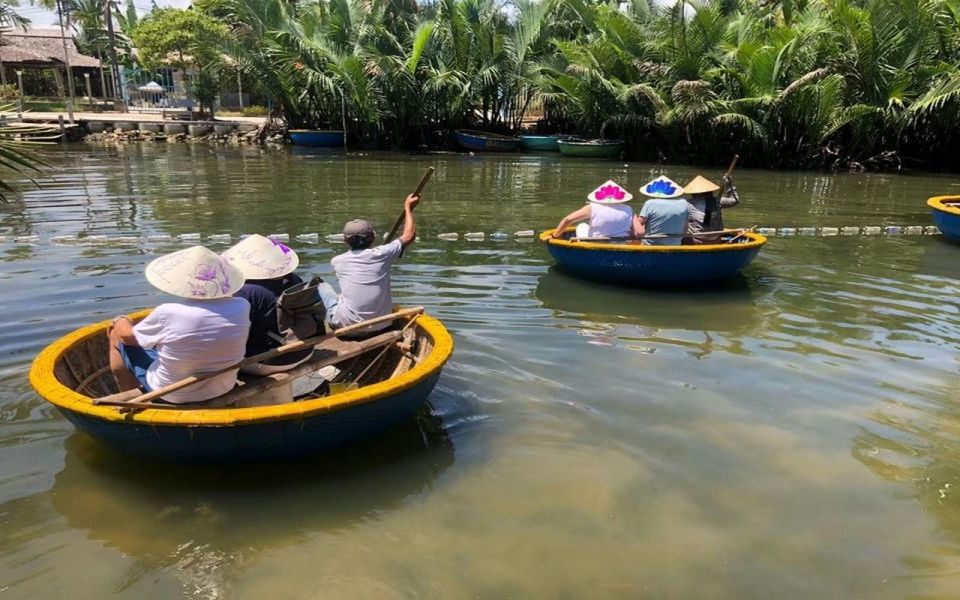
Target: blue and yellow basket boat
637 264
946 215
73 370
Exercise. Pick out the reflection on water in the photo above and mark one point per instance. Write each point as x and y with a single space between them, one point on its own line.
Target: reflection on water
608 314
201 521
790 433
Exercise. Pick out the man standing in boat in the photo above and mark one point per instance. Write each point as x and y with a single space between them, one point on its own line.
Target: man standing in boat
663 218
364 272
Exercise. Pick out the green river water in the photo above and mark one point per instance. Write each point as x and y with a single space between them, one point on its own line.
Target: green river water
794 433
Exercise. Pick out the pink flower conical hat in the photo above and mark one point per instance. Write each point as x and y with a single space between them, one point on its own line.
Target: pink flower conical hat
610 193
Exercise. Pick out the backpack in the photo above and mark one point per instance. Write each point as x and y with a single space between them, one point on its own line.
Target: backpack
301 312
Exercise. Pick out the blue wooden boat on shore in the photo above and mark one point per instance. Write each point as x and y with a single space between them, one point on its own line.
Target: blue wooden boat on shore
317 138
481 141
946 215
541 143
392 387
634 263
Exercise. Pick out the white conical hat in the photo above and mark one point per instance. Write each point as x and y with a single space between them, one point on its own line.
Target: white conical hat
196 273
260 257
610 193
662 187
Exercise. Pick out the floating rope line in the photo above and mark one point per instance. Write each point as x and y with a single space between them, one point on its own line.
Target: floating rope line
525 235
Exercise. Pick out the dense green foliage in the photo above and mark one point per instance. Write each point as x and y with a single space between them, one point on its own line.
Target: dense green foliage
810 83
187 39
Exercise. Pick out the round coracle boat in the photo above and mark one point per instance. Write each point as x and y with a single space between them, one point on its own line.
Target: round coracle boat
632 262
946 215
377 384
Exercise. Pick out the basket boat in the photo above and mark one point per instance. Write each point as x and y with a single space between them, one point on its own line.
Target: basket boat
481 141
250 423
946 215
650 265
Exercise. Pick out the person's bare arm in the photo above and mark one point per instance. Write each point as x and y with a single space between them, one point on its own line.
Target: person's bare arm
638 225
409 224
575 217
729 197
122 331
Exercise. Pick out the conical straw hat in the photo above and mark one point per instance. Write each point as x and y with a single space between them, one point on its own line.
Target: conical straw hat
610 193
700 185
196 273
259 257
662 187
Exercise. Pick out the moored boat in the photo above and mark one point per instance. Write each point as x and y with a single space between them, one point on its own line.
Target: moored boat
481 141
591 148
258 420
652 265
540 143
946 215
317 138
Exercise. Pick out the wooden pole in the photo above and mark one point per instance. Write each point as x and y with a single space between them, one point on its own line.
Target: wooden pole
66 59
733 165
423 182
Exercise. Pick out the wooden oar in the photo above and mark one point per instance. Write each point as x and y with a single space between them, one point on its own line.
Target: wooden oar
728 177
403 213
356 380
291 347
270 381
739 235
733 165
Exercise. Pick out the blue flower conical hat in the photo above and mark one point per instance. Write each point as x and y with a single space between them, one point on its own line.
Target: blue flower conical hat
662 187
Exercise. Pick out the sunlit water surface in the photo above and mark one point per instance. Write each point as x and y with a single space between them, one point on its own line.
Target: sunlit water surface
794 433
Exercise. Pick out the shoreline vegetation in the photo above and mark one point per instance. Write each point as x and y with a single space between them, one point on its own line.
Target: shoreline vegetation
810 84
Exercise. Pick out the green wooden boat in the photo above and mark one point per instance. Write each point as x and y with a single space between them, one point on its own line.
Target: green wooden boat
540 143
591 148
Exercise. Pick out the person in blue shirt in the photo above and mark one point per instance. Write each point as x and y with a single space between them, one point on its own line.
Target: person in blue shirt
663 218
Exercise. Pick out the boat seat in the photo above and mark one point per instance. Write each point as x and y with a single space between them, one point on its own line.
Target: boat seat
260 391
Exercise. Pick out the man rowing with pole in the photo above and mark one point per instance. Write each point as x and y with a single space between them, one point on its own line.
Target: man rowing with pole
706 205
363 272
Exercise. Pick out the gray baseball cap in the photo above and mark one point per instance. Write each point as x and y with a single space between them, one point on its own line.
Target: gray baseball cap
358 231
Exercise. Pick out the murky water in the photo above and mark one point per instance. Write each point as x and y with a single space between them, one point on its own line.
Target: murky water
794 433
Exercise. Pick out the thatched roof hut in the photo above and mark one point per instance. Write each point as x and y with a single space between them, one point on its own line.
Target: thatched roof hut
41 47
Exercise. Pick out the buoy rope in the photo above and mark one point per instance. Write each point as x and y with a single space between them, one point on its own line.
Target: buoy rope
470 236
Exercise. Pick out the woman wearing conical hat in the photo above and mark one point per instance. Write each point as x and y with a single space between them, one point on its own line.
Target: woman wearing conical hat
268 270
606 215
706 205
663 218
203 330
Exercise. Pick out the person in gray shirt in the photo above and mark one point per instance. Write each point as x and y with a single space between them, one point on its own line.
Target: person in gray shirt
363 273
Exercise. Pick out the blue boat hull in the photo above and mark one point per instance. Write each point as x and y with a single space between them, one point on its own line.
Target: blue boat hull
484 143
948 223
275 440
317 139
655 266
540 143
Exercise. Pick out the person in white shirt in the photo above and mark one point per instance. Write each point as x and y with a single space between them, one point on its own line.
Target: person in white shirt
204 330
363 273
606 214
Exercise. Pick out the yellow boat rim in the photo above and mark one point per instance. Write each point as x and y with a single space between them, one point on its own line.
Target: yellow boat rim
43 380
754 240
947 204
